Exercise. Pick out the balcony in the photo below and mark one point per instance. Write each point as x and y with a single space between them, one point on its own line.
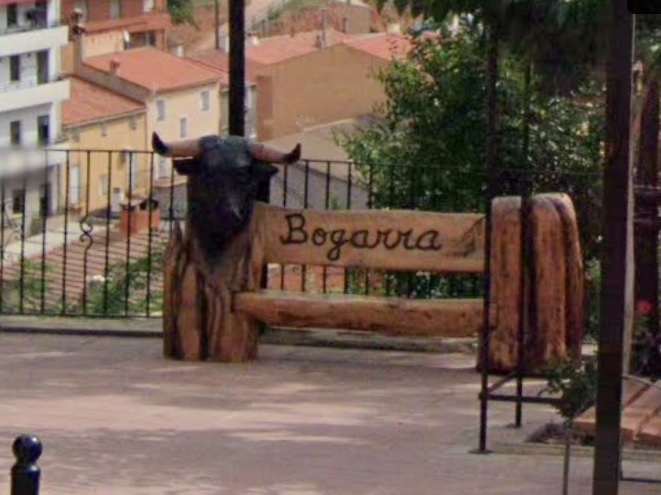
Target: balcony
31 94
32 39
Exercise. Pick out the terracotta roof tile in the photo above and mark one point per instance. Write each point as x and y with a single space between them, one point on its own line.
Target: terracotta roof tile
155 70
279 48
382 45
219 61
90 102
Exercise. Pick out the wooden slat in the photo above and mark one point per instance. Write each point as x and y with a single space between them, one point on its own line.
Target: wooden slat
397 240
640 411
630 392
393 316
651 431
505 283
549 284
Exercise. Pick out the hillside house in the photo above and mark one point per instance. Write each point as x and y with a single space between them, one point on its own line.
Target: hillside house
98 119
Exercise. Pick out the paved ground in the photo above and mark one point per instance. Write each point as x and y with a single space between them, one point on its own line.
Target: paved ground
117 418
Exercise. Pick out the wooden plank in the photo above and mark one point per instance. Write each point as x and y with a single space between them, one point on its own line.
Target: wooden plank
651 431
630 392
575 281
548 284
392 316
640 411
378 239
505 280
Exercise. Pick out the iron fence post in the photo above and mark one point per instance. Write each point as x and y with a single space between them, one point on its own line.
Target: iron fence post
25 473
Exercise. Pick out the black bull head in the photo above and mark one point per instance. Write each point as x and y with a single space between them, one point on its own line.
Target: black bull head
224 177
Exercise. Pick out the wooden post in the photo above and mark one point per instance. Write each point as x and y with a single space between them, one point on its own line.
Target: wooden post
199 320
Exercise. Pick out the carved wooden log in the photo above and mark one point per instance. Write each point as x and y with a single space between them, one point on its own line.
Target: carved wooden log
555 281
199 320
505 283
575 276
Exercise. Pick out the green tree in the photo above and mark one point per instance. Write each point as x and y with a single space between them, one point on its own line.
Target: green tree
182 11
427 148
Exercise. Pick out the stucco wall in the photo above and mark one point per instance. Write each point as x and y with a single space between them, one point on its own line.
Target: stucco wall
328 85
97 168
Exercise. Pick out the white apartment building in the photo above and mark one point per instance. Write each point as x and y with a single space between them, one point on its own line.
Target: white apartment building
31 94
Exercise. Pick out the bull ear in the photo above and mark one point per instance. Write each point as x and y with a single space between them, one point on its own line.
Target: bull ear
264 171
187 166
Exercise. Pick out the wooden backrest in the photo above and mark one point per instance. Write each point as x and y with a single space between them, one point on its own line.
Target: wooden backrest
398 240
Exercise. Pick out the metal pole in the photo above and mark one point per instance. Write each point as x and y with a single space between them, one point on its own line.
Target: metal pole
237 13
25 474
491 169
616 285
216 13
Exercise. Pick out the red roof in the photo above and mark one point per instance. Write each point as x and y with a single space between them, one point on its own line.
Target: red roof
89 103
273 50
155 69
382 45
220 62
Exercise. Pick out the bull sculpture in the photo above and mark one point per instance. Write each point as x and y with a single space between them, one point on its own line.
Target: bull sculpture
224 177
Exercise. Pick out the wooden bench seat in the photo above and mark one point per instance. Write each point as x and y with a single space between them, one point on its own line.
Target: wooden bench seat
392 315
641 413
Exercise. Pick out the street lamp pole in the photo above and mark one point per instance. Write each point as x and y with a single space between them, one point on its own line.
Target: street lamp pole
237 15
617 252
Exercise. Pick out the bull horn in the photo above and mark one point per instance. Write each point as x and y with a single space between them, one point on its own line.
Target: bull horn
190 147
270 155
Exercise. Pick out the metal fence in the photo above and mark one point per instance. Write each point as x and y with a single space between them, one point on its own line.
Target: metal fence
85 232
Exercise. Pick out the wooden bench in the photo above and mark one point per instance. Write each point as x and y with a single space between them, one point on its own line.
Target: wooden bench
641 413
216 315
401 241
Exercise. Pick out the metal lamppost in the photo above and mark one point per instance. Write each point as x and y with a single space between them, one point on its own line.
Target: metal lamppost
237 15
617 266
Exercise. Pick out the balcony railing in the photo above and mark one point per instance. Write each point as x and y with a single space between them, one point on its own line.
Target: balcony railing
32 26
29 84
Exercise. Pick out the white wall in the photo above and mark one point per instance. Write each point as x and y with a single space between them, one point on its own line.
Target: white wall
28 118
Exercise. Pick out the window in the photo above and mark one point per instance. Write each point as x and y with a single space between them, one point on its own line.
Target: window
133 122
160 109
150 38
183 127
12 15
115 9
75 135
74 184
17 201
42 67
44 200
204 99
148 6
43 130
104 186
132 179
15 133
104 130
163 168
14 68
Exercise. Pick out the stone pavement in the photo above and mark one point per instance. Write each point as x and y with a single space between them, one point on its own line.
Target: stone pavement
116 418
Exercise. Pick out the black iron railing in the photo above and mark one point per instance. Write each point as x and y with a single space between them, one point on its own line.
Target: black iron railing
85 232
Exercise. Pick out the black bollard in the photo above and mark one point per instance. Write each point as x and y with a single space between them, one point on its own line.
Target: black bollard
25 473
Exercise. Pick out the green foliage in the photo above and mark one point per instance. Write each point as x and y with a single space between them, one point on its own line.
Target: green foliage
182 11
125 290
427 148
575 385
593 294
